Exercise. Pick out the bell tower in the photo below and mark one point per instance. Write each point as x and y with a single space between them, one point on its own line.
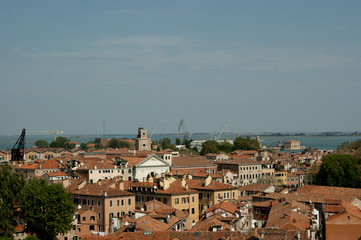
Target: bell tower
142 142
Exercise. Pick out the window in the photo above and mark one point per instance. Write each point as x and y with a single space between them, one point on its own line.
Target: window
118 202
176 201
98 215
257 210
122 202
84 219
111 203
84 202
129 170
92 218
129 201
200 196
165 200
233 195
92 202
193 198
118 214
193 210
122 213
207 195
98 203
91 227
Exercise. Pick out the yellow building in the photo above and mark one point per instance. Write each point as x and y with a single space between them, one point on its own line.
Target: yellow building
168 190
280 178
212 192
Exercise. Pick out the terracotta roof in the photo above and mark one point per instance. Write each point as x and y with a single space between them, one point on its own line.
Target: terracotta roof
42 150
99 190
41 164
255 187
345 207
208 224
96 163
133 161
214 185
147 223
172 215
239 161
120 151
283 215
323 193
56 174
187 161
175 235
177 188
262 204
201 173
226 206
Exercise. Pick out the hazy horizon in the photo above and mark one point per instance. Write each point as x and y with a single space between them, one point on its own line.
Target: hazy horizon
271 66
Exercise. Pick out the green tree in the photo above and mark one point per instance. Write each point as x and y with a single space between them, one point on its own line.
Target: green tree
344 147
47 209
165 143
245 144
356 145
54 144
209 146
124 144
84 146
226 147
41 144
10 184
62 142
113 143
339 170
98 146
97 140
31 238
177 141
187 143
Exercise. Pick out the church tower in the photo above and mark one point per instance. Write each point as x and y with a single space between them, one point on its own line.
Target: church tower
143 142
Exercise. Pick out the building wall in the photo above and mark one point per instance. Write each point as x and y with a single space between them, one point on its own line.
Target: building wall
4 156
251 173
101 206
96 175
337 232
188 202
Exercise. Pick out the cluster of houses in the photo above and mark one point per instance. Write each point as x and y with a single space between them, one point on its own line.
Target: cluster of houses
143 194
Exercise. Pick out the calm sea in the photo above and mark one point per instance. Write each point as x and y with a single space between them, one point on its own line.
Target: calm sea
321 142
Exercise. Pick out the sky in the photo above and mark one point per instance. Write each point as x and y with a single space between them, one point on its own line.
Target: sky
263 66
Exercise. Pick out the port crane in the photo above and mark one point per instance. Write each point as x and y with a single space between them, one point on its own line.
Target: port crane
182 130
217 137
155 128
51 131
17 152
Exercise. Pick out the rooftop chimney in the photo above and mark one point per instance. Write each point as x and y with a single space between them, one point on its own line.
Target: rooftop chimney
208 180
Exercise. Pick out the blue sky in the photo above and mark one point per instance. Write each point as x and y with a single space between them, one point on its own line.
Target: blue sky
268 65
